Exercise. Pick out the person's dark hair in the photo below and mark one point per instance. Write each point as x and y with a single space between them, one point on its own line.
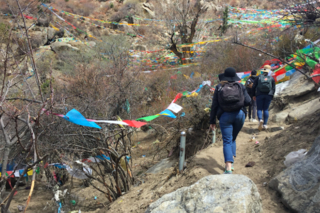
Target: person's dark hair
253 72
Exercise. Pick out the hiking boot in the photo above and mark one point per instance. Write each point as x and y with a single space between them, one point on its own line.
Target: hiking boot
254 120
227 172
260 125
265 127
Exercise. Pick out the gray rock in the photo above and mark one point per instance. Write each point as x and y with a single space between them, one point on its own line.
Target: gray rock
50 33
159 167
140 47
280 117
43 22
21 207
92 44
38 38
62 46
297 87
304 110
128 29
214 193
299 185
149 9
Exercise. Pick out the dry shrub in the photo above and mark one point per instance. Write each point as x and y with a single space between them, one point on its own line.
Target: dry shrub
125 12
234 3
79 7
95 31
103 10
142 30
224 54
9 7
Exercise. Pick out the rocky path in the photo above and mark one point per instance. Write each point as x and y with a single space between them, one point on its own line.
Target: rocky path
212 160
209 161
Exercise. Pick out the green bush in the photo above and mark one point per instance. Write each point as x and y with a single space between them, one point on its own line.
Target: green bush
4 30
111 5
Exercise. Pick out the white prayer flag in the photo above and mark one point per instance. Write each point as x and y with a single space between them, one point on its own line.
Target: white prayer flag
279 77
206 83
240 74
174 108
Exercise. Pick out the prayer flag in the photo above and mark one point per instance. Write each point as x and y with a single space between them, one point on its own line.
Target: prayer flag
77 118
174 107
168 113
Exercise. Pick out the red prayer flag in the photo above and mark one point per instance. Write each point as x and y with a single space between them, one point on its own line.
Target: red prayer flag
174 77
46 165
316 71
136 124
178 96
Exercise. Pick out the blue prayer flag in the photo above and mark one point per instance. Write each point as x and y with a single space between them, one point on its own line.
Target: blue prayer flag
77 118
168 113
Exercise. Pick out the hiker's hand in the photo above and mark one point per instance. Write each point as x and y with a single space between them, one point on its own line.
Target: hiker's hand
212 126
254 98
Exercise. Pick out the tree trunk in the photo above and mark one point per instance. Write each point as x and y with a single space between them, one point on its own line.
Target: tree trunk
4 167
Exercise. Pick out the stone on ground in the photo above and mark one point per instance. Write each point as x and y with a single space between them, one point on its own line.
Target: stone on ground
214 193
297 86
304 110
280 117
62 46
299 185
51 33
38 38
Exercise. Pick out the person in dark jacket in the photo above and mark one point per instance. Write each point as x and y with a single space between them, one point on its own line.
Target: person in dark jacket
231 122
263 90
253 105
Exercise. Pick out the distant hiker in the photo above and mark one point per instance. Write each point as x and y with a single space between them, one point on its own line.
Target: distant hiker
253 105
263 89
228 105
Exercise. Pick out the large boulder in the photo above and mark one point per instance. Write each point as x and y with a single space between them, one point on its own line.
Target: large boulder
297 86
51 33
214 193
43 21
280 117
299 185
38 38
62 46
149 9
304 110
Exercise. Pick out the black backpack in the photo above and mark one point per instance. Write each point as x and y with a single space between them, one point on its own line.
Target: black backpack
231 97
264 83
249 83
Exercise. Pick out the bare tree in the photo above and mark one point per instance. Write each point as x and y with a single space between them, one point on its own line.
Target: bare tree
302 14
182 24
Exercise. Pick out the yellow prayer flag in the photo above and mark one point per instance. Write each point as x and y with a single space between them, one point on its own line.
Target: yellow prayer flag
197 75
187 77
119 119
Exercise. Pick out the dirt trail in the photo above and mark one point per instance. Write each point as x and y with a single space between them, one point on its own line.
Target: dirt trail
212 160
209 161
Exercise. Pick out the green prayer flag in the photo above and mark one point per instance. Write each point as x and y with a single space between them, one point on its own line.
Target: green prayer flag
311 63
185 93
148 118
